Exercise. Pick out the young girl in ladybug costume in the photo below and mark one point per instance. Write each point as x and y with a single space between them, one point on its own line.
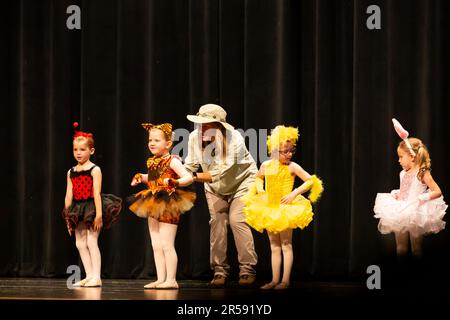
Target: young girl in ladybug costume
86 210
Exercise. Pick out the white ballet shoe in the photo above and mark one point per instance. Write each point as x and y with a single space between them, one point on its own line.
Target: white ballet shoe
92 283
167 285
81 283
152 285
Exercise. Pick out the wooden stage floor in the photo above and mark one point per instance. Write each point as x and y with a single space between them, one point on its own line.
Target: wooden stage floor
195 298
118 289
121 289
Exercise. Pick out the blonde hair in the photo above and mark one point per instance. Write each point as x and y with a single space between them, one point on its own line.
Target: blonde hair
279 135
422 157
88 140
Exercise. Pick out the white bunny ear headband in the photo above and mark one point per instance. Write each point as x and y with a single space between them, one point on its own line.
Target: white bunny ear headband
403 134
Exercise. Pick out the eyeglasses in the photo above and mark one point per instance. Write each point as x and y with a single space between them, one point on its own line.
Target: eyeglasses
285 152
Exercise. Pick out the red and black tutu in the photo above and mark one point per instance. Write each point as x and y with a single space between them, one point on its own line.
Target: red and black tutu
83 212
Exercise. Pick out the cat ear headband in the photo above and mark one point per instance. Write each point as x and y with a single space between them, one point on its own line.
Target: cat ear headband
164 127
403 134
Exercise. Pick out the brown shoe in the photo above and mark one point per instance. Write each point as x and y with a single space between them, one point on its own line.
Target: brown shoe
247 279
218 281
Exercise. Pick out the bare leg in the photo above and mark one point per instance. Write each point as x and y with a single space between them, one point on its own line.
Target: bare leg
288 255
275 248
401 240
418 272
402 268
167 234
158 254
416 246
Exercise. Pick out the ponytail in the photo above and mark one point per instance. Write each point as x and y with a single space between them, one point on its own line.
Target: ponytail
424 161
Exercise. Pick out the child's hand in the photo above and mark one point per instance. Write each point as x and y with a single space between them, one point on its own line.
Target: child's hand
288 199
170 182
98 223
394 194
424 197
136 179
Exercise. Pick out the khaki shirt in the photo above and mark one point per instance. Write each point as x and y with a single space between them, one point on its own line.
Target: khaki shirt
230 176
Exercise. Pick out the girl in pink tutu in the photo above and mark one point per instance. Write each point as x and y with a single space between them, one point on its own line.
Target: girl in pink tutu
417 208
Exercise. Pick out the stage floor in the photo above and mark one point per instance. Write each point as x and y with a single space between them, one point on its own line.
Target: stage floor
120 289
117 289
197 300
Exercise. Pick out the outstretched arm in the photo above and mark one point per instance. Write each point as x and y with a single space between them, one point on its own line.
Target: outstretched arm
185 177
203 177
191 162
139 178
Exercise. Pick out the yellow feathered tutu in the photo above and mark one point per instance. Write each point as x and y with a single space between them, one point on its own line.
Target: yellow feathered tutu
263 209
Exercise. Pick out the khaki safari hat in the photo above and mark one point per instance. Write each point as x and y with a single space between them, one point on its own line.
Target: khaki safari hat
211 113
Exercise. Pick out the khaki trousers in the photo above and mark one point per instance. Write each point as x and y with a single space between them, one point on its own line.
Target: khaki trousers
224 211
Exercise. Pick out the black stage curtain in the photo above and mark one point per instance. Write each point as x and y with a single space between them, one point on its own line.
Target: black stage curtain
312 64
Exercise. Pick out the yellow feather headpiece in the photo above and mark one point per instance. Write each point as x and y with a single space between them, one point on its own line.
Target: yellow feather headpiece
281 134
164 127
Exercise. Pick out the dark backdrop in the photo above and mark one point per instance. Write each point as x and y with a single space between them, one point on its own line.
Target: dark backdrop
311 64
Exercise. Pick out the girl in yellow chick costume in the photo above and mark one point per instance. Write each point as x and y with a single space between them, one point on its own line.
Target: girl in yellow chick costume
279 209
